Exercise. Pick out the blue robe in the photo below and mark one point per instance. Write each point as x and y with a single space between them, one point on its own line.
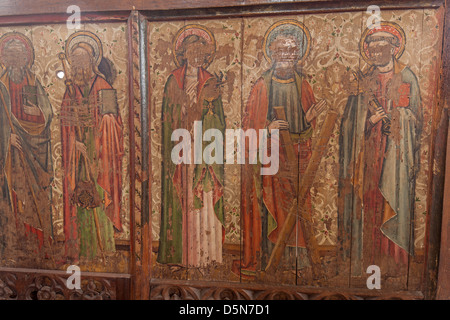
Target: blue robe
399 161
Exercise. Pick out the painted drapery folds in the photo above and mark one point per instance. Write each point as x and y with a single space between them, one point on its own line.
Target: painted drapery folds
381 127
366 199
25 157
64 150
286 43
192 213
92 151
350 107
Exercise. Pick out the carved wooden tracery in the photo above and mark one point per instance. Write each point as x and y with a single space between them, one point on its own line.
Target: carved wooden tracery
185 290
27 284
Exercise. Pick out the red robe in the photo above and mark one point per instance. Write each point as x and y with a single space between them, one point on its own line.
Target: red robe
109 149
276 190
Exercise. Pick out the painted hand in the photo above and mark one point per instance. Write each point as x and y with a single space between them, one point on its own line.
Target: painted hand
278 124
315 110
81 147
15 142
378 116
32 110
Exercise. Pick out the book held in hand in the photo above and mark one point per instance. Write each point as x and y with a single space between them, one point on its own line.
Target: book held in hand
108 101
29 95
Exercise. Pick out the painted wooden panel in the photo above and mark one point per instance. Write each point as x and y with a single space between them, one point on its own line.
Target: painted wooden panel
360 201
65 181
222 81
83 159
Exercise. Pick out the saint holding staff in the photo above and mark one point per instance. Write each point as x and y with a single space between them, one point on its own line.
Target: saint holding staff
92 151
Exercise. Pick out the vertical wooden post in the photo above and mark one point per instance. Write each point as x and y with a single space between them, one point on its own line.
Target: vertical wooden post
443 282
443 276
439 132
141 241
133 98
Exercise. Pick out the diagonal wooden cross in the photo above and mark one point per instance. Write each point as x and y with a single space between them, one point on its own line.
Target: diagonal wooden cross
297 212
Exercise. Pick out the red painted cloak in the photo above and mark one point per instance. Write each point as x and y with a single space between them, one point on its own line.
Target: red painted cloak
109 148
275 191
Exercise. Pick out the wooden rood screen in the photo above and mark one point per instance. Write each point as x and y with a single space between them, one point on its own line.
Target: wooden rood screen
257 151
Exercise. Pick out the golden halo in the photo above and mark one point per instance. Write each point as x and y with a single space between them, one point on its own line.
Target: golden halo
385 26
188 30
22 38
285 25
86 37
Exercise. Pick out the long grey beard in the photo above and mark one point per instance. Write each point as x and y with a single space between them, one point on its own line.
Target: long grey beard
16 74
81 76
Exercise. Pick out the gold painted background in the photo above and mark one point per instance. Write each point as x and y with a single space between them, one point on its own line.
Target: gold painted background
333 56
48 41
227 60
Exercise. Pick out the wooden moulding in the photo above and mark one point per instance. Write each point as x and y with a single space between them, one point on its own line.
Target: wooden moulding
30 7
264 7
437 241
437 277
443 283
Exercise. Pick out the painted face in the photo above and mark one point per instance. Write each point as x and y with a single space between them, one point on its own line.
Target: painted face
285 50
15 55
80 58
82 68
196 54
380 52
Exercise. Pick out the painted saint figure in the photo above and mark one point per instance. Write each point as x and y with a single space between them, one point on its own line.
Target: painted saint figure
192 213
92 151
379 158
25 147
280 99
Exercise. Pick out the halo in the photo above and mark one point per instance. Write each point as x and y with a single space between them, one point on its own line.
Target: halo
188 30
86 37
291 27
385 26
22 38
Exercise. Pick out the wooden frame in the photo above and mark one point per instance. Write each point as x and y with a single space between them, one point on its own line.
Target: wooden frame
136 15
433 233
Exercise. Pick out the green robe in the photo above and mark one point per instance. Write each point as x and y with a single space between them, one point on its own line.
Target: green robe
30 168
173 205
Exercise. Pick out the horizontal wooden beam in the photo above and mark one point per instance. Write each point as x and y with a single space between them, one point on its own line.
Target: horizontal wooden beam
156 8
285 8
49 18
64 273
235 249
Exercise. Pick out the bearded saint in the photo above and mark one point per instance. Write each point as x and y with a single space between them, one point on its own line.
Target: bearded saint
25 148
92 151
266 200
